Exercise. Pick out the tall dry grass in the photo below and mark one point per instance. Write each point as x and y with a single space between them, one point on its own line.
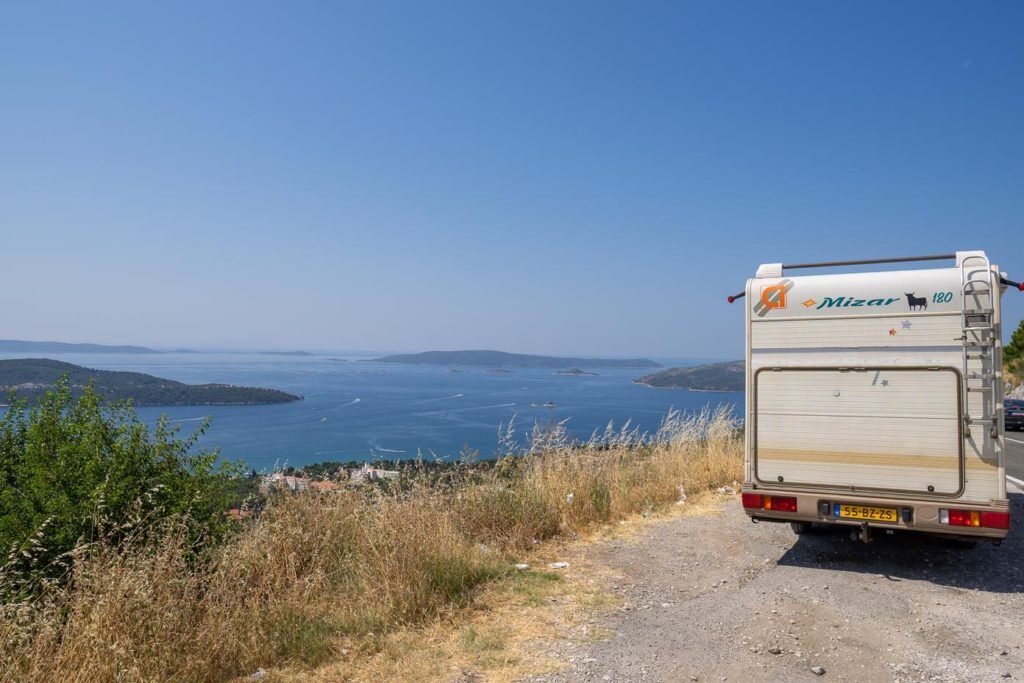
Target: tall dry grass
319 572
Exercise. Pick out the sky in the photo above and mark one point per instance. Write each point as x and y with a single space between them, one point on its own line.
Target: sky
540 177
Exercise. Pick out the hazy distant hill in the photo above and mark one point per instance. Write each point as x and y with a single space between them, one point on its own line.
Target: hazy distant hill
500 359
728 376
18 346
31 377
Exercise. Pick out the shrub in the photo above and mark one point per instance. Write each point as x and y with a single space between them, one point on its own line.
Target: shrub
74 472
1013 353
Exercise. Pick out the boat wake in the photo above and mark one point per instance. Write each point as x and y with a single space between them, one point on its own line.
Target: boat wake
441 398
496 405
456 411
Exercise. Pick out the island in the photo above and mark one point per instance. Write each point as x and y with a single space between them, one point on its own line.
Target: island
284 353
575 372
23 346
255 352
502 359
19 346
727 376
30 378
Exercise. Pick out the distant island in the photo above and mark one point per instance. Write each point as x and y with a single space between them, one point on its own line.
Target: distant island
18 346
22 346
284 353
575 372
728 376
502 359
257 352
30 378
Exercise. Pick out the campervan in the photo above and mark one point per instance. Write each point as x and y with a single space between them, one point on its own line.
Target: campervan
875 399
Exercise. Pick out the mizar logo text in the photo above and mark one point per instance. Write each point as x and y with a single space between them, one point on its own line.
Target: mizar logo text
850 302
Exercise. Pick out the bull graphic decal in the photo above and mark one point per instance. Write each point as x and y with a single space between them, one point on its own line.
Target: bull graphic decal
916 302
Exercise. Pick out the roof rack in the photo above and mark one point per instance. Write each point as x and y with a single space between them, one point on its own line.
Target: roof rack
861 262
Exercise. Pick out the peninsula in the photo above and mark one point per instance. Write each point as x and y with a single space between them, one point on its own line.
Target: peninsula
728 376
501 359
30 378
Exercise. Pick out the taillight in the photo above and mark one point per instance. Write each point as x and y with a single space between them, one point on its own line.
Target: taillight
996 520
974 518
780 503
760 502
963 518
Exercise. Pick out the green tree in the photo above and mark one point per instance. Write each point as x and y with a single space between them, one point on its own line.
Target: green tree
74 471
1013 353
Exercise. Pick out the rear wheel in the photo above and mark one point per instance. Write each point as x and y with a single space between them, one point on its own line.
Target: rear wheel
800 528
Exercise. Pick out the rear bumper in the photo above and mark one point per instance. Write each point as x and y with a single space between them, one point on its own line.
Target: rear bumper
1014 422
912 514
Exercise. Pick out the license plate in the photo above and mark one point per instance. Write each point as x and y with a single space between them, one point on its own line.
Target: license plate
864 512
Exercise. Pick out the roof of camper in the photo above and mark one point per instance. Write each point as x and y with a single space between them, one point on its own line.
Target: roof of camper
776 294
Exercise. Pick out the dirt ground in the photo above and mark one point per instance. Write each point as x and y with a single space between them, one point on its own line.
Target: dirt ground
716 597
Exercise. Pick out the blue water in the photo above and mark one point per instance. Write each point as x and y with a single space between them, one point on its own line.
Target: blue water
358 409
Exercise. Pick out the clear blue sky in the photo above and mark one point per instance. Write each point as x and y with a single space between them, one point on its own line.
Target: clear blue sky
554 177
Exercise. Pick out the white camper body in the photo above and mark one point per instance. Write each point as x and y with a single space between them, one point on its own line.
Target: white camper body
875 399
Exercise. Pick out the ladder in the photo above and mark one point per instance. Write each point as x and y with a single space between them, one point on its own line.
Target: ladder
979 343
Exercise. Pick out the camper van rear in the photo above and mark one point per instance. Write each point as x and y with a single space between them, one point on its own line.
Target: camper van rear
874 399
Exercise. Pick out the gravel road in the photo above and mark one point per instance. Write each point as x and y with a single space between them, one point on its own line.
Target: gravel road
716 597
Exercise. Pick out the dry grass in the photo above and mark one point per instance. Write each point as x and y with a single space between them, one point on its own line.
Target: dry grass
321 578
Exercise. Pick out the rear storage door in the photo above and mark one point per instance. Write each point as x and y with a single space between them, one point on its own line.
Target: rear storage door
885 429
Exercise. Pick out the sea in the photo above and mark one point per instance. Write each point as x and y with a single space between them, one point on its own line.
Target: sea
358 409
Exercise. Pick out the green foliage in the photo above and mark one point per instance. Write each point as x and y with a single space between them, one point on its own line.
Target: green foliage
1013 353
76 470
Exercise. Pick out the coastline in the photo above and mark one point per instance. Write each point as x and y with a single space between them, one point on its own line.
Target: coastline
696 391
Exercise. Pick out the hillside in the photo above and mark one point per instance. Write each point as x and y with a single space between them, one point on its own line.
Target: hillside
502 359
30 378
728 376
